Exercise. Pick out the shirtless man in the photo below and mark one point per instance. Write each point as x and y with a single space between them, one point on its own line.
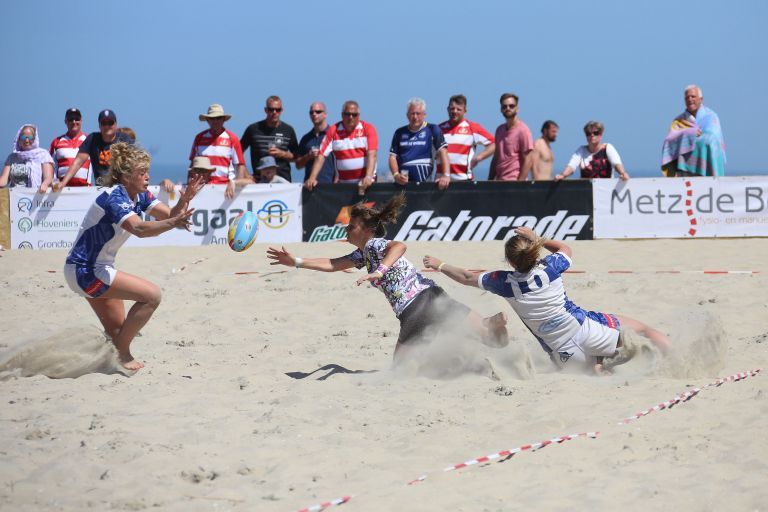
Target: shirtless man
542 155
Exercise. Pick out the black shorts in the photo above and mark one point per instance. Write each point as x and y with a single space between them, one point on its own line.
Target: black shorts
430 310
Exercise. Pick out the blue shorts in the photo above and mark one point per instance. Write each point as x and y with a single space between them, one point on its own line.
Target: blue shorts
90 282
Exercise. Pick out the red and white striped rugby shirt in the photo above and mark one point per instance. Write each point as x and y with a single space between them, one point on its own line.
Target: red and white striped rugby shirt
350 149
64 151
461 140
224 152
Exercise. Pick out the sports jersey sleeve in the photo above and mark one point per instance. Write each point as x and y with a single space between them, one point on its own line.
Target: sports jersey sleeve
393 146
495 282
480 135
326 147
372 137
438 140
147 201
53 146
613 155
558 261
117 209
356 258
237 150
193 151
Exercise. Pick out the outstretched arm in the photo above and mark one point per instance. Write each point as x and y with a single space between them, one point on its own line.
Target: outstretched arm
458 274
392 253
283 257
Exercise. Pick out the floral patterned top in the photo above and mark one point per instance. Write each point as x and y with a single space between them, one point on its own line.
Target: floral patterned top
400 284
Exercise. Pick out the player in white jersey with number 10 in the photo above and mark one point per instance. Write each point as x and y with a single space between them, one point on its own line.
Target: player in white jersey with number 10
535 290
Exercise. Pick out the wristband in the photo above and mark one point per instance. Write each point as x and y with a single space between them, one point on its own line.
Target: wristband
382 269
440 267
396 174
298 262
377 272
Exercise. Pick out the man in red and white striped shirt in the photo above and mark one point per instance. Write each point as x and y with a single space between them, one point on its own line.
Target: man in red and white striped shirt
462 137
65 147
222 147
354 144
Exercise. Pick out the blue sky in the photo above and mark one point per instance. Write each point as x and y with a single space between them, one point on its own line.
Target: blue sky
159 64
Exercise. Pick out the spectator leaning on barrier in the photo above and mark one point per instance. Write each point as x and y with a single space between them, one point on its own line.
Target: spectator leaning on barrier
271 137
694 145
596 159
268 171
514 143
415 146
542 157
222 147
354 144
28 165
96 147
64 150
309 145
462 137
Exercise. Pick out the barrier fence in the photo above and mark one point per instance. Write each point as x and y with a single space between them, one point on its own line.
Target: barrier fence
566 210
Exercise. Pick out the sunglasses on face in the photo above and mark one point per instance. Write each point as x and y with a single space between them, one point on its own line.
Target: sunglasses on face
273 109
107 123
594 133
27 138
74 119
508 106
350 114
316 111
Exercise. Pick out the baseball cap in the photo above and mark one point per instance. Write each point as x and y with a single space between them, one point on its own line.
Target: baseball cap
72 113
266 161
107 115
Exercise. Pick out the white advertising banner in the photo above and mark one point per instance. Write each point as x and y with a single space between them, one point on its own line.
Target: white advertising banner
681 207
52 220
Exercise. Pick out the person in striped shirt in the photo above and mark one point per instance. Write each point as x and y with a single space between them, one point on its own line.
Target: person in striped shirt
64 150
354 144
463 136
222 147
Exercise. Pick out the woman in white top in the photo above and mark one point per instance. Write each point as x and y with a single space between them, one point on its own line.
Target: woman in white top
596 159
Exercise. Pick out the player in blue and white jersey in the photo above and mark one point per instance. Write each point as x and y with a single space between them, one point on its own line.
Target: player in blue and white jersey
535 290
416 146
109 222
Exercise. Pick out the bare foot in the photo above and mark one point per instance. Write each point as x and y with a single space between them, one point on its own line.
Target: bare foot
497 331
129 363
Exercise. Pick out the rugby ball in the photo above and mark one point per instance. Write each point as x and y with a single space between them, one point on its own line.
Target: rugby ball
243 231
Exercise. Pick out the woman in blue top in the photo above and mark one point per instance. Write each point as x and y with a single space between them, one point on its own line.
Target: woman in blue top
110 221
420 305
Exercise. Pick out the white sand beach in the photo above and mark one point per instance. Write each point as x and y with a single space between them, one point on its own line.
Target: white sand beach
273 390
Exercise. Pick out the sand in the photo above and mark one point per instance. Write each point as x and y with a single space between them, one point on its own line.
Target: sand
273 390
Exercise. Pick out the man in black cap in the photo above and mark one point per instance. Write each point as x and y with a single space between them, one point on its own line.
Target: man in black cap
64 149
97 147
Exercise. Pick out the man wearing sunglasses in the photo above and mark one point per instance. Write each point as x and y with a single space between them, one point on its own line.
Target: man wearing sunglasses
271 137
309 145
64 149
514 143
97 148
354 144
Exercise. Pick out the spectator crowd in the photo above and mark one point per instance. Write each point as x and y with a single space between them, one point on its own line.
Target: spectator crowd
347 151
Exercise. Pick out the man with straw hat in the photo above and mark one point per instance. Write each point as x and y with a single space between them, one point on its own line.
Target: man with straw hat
222 148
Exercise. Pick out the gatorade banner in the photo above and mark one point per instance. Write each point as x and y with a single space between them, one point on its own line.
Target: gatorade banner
465 211
52 220
681 207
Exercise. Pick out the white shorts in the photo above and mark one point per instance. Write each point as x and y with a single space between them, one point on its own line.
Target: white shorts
89 282
593 339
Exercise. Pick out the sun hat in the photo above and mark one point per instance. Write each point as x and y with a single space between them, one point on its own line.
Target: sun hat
266 161
201 163
215 110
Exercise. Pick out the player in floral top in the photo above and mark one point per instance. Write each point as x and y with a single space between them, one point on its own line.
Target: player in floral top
419 304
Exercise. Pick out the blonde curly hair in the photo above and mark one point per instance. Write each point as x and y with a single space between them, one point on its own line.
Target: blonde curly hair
522 252
126 158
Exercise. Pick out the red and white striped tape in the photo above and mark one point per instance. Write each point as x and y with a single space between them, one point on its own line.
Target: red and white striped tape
525 447
323 506
684 397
